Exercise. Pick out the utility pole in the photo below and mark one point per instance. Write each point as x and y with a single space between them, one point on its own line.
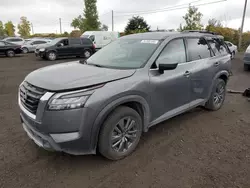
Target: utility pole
242 25
32 28
112 20
60 22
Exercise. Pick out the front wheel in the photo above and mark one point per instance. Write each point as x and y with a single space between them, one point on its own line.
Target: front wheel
51 56
120 133
218 95
246 67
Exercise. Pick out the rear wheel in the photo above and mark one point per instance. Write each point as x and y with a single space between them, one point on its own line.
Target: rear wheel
10 53
51 56
217 97
87 53
25 50
120 133
233 55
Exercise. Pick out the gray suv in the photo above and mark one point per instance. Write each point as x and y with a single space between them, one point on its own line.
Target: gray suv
105 103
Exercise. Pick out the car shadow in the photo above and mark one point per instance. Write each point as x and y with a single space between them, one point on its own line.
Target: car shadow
92 161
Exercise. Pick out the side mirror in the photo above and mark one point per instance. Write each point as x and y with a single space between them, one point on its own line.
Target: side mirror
166 64
59 44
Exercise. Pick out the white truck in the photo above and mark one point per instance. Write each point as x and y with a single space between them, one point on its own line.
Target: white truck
101 38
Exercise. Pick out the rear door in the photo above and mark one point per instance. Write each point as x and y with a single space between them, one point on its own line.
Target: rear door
203 67
75 46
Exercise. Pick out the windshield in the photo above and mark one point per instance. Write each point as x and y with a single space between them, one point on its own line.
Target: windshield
124 54
55 41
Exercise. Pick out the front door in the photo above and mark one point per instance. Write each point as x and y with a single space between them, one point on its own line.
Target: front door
171 90
63 50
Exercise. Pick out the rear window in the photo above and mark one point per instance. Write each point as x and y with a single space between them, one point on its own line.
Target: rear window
14 40
86 41
75 41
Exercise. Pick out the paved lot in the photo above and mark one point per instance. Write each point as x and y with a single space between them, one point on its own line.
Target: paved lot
199 149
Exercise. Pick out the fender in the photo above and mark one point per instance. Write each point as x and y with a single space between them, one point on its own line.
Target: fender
224 72
110 107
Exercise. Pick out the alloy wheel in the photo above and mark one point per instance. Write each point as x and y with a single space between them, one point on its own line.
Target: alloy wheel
124 134
219 95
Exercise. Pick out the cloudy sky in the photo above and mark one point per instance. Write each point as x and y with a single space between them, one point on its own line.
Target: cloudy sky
45 14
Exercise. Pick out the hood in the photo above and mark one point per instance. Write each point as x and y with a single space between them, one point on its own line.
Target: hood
43 45
73 75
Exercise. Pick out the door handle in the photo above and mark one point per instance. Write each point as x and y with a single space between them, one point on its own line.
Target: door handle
216 64
187 74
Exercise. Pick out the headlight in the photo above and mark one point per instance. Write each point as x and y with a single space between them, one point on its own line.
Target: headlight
71 100
42 50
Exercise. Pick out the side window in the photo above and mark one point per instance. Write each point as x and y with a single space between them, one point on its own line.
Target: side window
218 46
86 41
39 42
65 42
2 43
92 37
229 44
174 52
75 41
198 49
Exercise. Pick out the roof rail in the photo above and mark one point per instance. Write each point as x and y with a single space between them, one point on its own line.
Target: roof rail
200 31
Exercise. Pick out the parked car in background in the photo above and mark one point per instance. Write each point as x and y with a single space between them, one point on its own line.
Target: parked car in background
31 45
101 38
246 59
64 46
15 40
106 102
9 49
233 48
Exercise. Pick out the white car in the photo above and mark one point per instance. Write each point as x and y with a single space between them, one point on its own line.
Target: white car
233 48
15 40
31 45
101 38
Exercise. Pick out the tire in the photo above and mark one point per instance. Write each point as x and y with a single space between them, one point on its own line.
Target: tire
51 56
233 55
10 53
128 138
87 53
246 67
25 50
217 97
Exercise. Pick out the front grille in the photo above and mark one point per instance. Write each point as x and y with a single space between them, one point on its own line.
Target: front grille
30 96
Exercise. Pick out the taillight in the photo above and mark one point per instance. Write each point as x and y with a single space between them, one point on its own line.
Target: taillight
93 45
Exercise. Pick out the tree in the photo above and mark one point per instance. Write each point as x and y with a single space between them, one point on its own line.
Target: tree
2 32
90 20
24 27
136 25
192 19
75 33
104 27
9 28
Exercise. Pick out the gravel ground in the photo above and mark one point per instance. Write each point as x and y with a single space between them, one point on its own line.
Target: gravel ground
199 149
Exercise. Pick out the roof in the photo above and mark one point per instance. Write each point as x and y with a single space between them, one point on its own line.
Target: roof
164 35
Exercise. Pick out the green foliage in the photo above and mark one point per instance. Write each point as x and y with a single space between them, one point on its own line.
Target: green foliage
192 19
9 28
2 31
24 27
90 20
136 25
104 27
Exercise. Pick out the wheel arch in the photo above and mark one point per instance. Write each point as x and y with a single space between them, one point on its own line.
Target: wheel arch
135 102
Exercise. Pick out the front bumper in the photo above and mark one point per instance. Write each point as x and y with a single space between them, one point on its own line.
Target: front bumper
40 54
67 131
